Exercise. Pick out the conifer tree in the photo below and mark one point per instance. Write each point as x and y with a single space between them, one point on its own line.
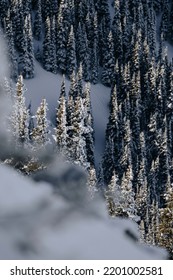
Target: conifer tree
158 4
145 91
31 122
27 8
40 133
4 5
53 45
38 22
30 47
92 181
117 31
61 122
153 228
18 24
126 159
127 194
165 20
142 232
89 29
152 31
27 55
153 180
113 197
49 53
80 43
108 160
8 88
136 50
125 40
20 118
77 147
70 55
169 101
141 200
88 124
70 109
63 29
86 60
113 128
79 81
109 63
102 8
165 235
73 91
11 49
95 58
171 23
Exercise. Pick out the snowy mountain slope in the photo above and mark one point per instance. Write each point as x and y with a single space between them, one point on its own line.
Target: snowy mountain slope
133 95
47 85
37 224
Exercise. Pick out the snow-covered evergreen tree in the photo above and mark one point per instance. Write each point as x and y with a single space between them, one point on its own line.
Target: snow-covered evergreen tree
19 118
165 234
117 31
63 28
77 147
49 52
38 22
70 54
153 227
113 197
109 62
95 57
165 19
11 48
26 57
61 121
79 81
88 124
40 134
17 18
92 181
127 194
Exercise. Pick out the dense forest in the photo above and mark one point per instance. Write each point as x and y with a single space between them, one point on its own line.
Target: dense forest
123 45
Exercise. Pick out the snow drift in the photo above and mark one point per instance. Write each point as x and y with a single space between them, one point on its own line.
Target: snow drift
37 223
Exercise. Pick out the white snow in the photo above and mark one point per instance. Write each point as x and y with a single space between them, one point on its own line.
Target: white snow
4 63
16 193
37 224
47 85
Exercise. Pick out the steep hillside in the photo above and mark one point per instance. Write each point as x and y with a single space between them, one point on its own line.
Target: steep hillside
37 224
47 85
99 79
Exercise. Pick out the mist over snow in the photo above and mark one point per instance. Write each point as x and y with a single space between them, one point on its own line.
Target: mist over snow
4 70
86 129
5 103
36 223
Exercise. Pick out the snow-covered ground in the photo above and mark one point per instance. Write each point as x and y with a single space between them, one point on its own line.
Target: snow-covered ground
47 85
37 224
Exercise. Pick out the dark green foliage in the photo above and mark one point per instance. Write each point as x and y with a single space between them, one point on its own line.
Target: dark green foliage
82 40
71 54
109 62
26 57
49 51
38 22
165 19
11 49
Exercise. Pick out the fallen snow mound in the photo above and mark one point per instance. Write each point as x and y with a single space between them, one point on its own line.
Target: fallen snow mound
36 223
